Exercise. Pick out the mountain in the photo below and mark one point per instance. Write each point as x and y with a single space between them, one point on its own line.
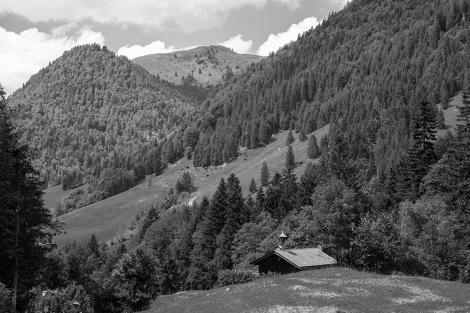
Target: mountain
365 69
334 290
91 111
111 219
205 65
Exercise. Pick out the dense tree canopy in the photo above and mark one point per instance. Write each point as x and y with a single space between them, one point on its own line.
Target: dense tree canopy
368 66
90 110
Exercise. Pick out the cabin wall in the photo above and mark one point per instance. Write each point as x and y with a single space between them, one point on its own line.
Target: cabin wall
275 264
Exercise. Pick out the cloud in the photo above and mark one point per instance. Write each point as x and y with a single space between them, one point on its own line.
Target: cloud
292 4
135 51
238 44
342 3
189 15
26 53
276 41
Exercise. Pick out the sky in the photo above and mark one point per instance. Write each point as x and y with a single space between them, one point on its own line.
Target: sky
34 33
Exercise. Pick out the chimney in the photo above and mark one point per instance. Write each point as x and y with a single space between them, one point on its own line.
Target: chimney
283 237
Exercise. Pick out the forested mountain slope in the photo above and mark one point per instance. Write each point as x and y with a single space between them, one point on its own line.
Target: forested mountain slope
89 111
365 68
205 65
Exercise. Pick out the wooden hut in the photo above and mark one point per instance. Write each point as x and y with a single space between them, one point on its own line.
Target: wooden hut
285 261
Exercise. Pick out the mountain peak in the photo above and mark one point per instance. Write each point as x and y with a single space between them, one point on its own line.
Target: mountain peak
208 65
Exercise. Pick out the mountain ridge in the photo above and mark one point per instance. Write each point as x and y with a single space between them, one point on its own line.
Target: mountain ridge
204 65
90 110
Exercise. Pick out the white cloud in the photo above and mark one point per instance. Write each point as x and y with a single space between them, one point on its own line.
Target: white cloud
26 53
190 15
137 50
238 44
276 41
341 3
291 4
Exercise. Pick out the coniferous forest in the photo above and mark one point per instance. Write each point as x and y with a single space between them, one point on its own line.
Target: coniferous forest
383 192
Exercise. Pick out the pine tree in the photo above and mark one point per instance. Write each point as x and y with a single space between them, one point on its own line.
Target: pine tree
264 178
234 218
202 272
302 136
290 198
263 136
313 151
421 155
290 158
253 187
260 198
463 118
290 138
21 212
93 244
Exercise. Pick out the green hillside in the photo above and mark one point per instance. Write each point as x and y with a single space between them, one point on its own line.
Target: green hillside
206 64
90 110
112 217
366 68
334 290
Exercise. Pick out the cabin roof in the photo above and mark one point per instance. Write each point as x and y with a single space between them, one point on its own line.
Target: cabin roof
300 258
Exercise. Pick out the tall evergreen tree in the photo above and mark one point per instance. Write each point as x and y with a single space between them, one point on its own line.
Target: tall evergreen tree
290 158
463 118
264 177
302 135
253 187
263 136
290 138
313 151
422 154
234 218
260 198
25 225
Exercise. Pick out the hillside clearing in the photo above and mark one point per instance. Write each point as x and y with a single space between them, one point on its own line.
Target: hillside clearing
112 217
330 290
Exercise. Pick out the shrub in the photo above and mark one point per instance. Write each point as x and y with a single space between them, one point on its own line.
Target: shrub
185 183
231 277
71 299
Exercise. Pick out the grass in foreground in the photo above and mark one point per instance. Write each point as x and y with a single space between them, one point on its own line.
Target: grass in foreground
332 290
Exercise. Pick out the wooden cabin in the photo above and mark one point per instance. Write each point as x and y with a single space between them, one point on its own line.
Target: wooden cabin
284 261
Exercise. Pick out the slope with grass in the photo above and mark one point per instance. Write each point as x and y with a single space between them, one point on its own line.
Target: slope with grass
331 290
54 195
112 217
207 64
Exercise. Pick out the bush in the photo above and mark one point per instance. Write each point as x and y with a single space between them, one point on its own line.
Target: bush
71 299
185 183
231 277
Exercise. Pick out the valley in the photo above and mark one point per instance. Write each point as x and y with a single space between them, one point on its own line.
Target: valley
155 184
113 216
